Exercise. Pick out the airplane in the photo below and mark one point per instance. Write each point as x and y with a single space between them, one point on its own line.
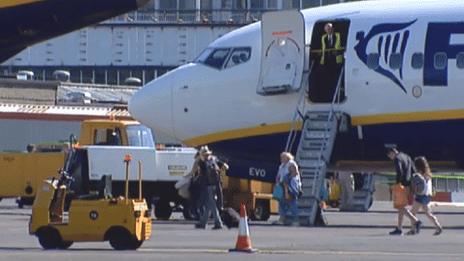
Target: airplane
26 22
400 83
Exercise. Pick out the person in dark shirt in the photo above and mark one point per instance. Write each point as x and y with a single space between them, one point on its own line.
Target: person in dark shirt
404 168
210 179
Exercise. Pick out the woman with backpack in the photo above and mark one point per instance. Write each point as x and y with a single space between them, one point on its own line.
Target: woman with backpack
422 187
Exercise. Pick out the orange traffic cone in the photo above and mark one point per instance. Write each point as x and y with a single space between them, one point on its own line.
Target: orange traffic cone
243 239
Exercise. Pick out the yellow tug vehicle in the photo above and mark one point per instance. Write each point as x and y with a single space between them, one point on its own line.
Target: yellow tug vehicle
67 210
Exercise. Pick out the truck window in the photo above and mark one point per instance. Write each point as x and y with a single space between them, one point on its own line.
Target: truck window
140 136
106 136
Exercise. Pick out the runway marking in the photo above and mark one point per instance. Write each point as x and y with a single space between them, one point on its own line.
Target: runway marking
304 252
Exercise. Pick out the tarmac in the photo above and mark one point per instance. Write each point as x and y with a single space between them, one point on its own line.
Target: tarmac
348 236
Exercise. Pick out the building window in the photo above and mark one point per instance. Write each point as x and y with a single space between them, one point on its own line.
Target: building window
440 61
417 60
373 61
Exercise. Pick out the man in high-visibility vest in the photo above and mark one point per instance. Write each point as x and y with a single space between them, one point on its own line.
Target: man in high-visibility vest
331 46
330 63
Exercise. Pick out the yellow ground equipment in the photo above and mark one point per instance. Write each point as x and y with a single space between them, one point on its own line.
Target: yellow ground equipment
68 210
334 193
22 173
256 195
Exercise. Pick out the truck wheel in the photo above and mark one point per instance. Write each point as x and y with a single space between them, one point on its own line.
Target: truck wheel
261 211
190 212
65 244
135 244
163 210
120 238
49 238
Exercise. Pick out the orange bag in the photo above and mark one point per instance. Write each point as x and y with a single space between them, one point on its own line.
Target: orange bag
400 196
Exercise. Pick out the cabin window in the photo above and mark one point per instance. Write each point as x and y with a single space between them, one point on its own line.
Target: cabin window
139 136
417 60
395 61
440 61
460 60
373 61
239 56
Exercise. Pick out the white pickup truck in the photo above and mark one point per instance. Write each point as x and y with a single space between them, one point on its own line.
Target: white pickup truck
161 169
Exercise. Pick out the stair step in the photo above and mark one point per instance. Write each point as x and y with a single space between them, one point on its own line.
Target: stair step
311 163
317 125
318 116
316 135
309 154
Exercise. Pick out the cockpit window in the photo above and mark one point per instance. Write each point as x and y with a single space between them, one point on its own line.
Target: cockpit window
217 58
203 55
238 56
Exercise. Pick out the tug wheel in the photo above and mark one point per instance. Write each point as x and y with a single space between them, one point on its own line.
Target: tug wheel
49 238
121 239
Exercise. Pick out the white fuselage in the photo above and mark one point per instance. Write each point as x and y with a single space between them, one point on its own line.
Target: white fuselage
199 104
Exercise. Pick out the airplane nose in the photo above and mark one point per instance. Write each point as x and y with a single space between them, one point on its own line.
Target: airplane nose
152 106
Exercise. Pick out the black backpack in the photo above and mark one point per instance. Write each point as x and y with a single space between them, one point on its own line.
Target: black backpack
212 172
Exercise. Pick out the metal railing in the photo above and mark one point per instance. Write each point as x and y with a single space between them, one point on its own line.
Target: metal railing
335 100
196 16
293 129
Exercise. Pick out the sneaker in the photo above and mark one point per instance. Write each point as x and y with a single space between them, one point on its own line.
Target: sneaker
411 232
438 231
418 226
396 232
200 226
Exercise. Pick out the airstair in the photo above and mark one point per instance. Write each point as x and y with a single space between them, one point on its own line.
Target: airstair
313 155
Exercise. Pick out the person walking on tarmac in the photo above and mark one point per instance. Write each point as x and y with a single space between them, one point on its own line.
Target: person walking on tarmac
331 60
422 187
210 177
288 177
404 167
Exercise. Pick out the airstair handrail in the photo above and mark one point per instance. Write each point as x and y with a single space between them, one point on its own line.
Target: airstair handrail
292 134
335 99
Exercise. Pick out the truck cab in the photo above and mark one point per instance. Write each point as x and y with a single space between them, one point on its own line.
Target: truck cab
22 172
115 133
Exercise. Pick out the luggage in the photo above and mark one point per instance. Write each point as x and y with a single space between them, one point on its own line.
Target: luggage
278 192
400 196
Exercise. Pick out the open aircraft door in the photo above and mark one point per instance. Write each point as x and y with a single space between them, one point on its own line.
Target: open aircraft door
282 52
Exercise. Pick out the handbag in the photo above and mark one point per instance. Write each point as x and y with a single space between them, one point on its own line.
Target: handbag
400 196
278 192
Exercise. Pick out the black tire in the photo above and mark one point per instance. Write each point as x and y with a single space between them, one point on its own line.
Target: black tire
49 238
135 244
121 239
65 244
190 212
163 210
262 211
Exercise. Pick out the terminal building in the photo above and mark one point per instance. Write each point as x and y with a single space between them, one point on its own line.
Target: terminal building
143 44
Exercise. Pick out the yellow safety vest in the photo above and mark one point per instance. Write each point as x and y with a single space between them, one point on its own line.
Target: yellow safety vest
338 47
